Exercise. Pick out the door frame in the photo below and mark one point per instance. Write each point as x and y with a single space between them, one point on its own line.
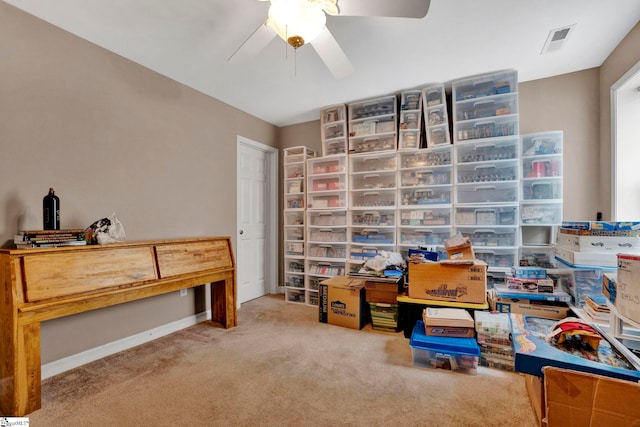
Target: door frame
613 92
271 206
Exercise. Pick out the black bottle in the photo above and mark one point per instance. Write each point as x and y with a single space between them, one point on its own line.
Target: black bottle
51 211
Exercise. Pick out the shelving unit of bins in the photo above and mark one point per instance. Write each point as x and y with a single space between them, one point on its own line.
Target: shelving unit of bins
487 165
487 173
326 221
424 197
333 129
372 204
327 182
485 106
541 196
294 165
326 248
410 120
436 117
373 125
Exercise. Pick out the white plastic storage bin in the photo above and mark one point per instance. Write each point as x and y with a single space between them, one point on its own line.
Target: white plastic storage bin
540 213
423 236
294 218
538 256
334 146
327 182
295 295
542 189
327 235
488 193
327 200
410 120
294 232
490 237
298 154
379 162
324 268
373 236
333 114
485 85
294 265
373 181
474 152
377 218
410 100
294 201
542 143
367 199
417 197
327 165
435 115
439 156
327 218
409 139
294 280
495 105
497 257
496 127
436 216
372 125
542 167
486 215
498 171
367 144
333 251
437 175
333 130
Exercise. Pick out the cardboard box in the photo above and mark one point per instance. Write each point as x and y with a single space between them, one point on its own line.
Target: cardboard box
627 299
342 302
535 391
602 259
448 322
383 292
580 399
546 309
462 251
457 281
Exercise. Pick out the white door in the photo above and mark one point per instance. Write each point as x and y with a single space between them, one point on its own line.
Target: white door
255 219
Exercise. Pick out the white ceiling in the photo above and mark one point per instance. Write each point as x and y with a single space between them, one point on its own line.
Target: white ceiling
191 40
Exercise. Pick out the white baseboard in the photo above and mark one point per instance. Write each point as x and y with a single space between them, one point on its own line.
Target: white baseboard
61 365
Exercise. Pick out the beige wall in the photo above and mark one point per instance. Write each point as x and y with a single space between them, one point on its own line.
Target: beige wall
570 103
621 60
110 135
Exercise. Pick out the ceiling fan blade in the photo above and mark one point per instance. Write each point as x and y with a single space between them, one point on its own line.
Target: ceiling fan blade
332 54
395 8
254 44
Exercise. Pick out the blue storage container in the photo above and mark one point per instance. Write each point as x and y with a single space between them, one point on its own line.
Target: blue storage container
456 354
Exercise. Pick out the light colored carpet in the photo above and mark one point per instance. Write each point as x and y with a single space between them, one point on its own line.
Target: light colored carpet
278 367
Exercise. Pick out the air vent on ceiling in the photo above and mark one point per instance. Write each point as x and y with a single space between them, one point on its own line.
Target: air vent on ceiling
556 39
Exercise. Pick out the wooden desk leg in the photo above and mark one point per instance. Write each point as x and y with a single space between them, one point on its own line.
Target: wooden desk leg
223 303
21 388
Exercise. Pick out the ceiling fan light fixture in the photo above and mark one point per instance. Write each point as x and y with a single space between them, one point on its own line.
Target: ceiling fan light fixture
297 21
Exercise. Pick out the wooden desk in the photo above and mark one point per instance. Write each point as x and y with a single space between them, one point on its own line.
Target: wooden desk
43 284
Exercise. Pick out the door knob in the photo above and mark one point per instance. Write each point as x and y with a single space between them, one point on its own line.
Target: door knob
241 231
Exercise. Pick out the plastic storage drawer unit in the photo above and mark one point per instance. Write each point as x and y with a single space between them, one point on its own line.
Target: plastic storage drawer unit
456 354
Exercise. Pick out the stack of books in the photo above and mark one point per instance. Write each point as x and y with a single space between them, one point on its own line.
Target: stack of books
49 238
595 306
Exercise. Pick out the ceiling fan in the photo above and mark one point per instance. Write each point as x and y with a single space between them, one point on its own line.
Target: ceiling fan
300 22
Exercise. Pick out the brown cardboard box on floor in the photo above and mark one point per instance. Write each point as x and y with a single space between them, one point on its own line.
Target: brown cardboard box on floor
535 391
384 292
456 281
342 302
580 399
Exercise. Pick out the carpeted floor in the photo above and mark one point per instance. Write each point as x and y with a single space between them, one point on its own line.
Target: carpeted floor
278 367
